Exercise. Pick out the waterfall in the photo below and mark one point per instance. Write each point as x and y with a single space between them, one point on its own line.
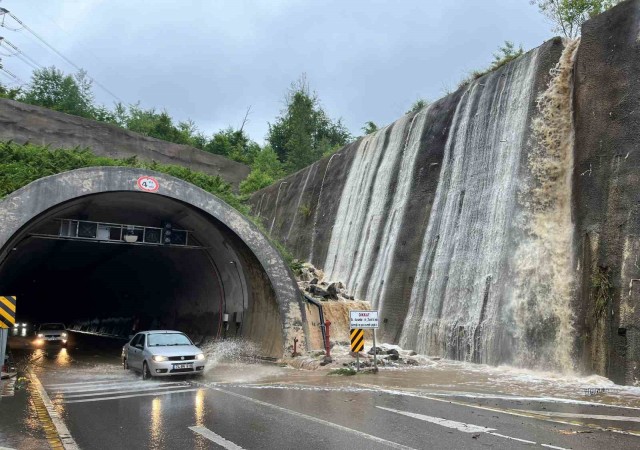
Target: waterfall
545 281
366 229
464 270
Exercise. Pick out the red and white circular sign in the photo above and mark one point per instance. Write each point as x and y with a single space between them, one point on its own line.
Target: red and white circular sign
148 184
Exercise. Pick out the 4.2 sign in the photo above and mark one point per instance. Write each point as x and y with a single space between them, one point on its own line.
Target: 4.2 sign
148 184
363 319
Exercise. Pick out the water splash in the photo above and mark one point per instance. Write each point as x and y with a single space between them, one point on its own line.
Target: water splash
544 259
229 351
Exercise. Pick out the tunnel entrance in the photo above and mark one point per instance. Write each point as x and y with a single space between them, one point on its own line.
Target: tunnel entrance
66 256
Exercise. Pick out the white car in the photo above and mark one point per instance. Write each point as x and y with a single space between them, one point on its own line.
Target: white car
52 333
160 353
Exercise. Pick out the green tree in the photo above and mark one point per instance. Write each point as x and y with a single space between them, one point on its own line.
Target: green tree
51 88
303 132
569 15
265 170
234 144
418 105
505 54
369 127
10 93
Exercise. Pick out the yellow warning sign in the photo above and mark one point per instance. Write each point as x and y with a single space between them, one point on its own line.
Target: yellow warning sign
357 340
7 311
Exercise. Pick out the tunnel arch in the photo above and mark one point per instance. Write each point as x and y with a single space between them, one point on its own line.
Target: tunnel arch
259 265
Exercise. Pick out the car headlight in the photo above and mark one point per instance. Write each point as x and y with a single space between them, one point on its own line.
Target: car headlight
64 335
40 335
200 356
160 358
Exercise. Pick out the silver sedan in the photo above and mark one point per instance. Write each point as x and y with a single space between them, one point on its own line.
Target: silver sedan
162 353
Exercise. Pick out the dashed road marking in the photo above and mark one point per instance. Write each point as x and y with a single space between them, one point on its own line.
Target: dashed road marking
122 391
96 388
315 419
117 397
464 427
216 438
583 416
460 426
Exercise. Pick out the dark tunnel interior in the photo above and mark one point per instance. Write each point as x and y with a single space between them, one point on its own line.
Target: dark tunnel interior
64 276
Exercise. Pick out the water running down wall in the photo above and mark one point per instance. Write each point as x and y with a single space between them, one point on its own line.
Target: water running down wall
467 225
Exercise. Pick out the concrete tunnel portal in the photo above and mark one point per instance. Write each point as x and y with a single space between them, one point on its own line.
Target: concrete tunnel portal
64 254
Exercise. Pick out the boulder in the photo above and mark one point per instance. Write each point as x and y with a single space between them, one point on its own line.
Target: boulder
332 289
377 351
412 362
314 280
392 351
393 357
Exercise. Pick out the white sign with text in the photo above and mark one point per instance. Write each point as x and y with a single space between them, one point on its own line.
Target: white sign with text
363 319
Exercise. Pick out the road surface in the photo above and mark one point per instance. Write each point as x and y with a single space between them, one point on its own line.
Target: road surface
93 403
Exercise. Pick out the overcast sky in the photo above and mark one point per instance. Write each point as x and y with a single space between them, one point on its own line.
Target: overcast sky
210 60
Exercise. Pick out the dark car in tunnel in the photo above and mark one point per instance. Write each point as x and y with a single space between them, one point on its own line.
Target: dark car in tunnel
162 353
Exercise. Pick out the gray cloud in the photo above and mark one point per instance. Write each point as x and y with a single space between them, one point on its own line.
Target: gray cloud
209 60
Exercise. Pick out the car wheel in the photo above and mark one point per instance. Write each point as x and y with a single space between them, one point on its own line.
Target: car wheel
125 364
146 374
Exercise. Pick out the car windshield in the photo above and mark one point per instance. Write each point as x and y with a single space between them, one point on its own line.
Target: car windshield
157 340
52 326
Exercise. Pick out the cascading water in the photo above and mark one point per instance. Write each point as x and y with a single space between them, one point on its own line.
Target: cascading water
494 278
545 281
463 274
363 213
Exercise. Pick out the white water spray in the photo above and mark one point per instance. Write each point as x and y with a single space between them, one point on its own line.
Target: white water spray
544 259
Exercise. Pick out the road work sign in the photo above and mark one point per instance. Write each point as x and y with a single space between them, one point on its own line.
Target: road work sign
363 319
357 340
7 311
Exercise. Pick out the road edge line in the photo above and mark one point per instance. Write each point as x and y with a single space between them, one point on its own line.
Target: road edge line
63 432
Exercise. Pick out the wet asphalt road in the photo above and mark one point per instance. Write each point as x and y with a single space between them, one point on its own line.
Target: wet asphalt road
257 406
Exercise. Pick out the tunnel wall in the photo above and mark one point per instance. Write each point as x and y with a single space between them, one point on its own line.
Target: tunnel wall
25 206
22 123
301 209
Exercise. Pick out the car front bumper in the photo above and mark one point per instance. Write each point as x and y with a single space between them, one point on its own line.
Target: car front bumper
167 368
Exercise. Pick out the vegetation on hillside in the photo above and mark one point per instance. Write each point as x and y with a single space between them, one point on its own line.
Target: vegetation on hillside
568 16
22 164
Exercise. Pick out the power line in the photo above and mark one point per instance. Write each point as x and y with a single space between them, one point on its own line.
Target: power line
4 12
20 54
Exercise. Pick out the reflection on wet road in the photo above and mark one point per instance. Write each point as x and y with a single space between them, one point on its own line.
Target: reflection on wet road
243 405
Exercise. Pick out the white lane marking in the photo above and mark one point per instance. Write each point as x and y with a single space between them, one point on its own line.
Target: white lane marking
213 437
583 416
512 438
511 412
100 399
316 420
106 380
138 384
65 437
460 426
7 448
123 391
553 446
